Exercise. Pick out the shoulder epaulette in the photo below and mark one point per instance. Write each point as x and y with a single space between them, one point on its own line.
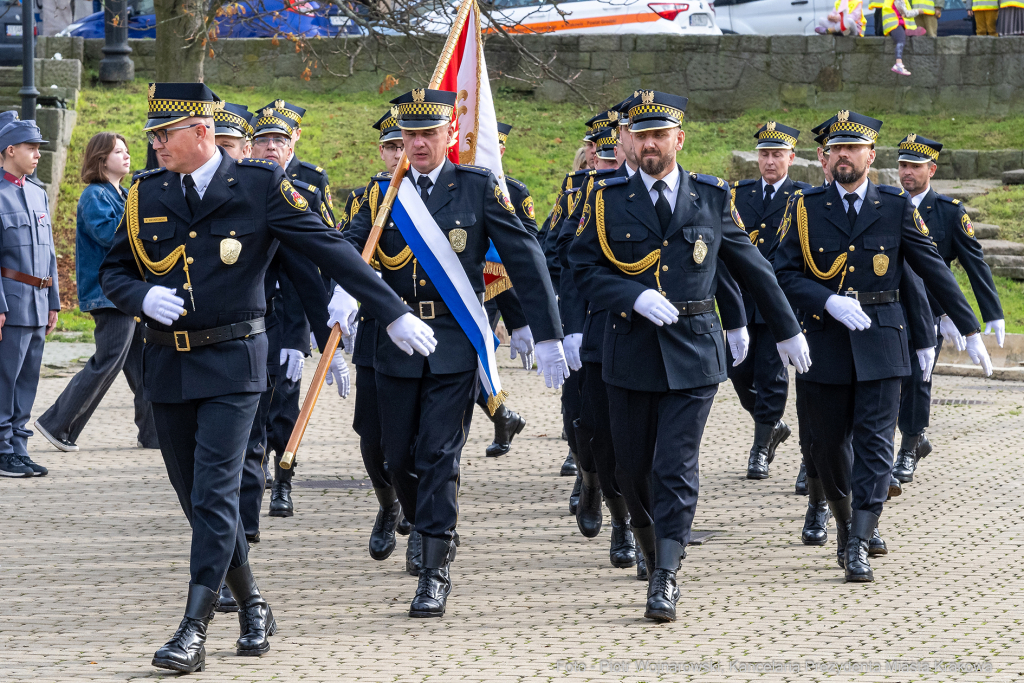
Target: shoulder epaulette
305 186
518 183
382 176
744 183
946 198
357 193
318 169
610 182
817 189
889 189
573 190
578 174
259 163
709 180
474 169
139 175
35 181
800 185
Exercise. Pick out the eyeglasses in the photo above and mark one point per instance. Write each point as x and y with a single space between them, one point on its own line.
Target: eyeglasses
277 140
161 133
391 149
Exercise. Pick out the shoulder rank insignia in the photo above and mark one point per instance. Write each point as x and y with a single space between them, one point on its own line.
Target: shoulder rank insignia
890 189
965 223
145 174
475 169
919 222
612 182
709 180
503 199
528 208
292 196
957 202
260 163
518 183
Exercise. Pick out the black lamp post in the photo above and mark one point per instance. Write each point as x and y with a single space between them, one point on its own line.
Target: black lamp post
28 90
116 67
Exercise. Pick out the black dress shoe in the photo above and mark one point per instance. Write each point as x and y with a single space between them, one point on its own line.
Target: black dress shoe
766 440
876 546
507 424
404 525
842 511
569 468
414 553
858 569
622 551
815 531
589 514
641 568
382 536
255 618
435 583
662 592
281 499
646 545
801 480
227 600
895 488
186 650
574 496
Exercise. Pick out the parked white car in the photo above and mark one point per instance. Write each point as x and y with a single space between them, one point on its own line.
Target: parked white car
771 17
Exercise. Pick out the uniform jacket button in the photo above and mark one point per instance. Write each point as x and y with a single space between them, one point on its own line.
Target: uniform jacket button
192 234
665 243
760 241
820 249
851 247
851 269
623 314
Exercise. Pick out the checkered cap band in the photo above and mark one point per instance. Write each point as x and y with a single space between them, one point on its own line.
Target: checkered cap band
273 121
424 109
294 116
642 109
610 140
851 127
225 116
778 136
930 152
180 108
503 138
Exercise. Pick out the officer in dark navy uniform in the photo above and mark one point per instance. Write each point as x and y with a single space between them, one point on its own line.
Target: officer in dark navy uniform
647 249
207 226
425 419
840 262
952 233
301 170
761 381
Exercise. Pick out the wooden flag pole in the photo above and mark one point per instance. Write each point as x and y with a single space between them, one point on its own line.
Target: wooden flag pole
383 212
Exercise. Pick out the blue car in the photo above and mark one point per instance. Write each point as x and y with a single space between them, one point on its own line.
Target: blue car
251 19
953 22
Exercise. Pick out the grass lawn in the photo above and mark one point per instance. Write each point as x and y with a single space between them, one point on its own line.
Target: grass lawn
337 135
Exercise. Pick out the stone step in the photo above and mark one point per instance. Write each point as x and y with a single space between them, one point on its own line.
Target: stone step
1004 260
1012 272
986 231
1015 177
1001 247
966 190
976 213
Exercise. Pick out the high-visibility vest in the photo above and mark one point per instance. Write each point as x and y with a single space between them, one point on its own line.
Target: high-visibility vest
926 6
875 4
851 9
1011 3
985 5
890 21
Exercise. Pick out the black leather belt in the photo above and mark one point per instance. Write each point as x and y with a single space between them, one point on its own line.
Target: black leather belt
695 307
186 340
428 310
886 297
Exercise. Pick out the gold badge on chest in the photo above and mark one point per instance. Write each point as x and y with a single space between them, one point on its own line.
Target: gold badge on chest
457 237
229 251
880 262
700 251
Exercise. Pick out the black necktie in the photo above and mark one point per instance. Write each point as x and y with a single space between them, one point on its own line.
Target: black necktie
662 207
769 190
851 212
424 182
192 197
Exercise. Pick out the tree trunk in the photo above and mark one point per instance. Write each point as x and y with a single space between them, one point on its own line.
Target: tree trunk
180 43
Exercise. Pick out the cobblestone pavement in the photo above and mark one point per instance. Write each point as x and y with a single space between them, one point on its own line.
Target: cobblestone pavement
95 564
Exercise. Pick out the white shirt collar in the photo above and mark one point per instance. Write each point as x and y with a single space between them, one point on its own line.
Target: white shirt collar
775 185
289 159
629 171
918 198
672 180
861 191
203 175
432 175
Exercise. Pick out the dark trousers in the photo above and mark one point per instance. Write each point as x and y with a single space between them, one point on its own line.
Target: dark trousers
571 404
916 396
657 450
115 338
284 411
852 428
254 478
594 434
424 425
366 424
804 431
761 380
203 446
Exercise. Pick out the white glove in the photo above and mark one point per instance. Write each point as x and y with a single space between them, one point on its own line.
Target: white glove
652 305
848 312
999 327
296 360
739 344
342 309
926 357
348 341
979 354
551 362
794 351
410 334
161 305
951 334
312 342
571 345
339 371
521 342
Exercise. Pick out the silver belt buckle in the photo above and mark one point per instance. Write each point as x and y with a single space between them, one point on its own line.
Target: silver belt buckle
423 310
852 295
181 342
45 282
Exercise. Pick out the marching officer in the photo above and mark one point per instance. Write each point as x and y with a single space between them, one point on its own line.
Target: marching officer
647 249
953 235
207 225
29 296
233 128
425 419
301 170
761 381
842 270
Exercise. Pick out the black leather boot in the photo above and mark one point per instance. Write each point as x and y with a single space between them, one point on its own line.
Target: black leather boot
255 618
414 553
766 439
507 424
574 496
589 515
622 551
435 583
382 536
186 650
569 466
876 546
227 600
842 511
662 592
801 480
858 569
895 487
281 493
646 543
404 526
912 449
815 530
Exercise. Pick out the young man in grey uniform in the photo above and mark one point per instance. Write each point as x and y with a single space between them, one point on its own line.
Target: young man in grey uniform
29 299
